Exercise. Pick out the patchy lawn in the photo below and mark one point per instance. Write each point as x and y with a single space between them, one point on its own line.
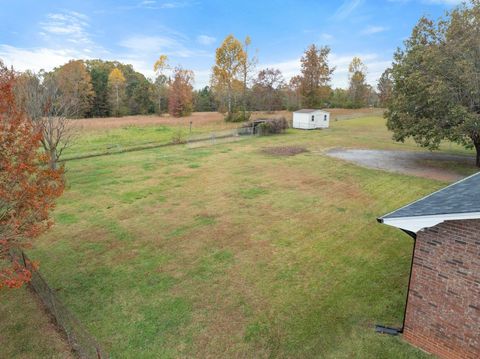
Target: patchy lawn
25 329
227 251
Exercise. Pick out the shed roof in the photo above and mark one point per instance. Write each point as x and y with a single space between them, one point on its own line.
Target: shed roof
307 110
460 200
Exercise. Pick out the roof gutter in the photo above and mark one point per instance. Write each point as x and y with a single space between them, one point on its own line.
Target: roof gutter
416 223
395 331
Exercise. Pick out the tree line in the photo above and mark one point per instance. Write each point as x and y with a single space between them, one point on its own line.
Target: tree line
111 88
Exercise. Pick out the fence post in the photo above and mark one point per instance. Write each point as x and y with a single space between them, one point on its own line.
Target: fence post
55 314
23 258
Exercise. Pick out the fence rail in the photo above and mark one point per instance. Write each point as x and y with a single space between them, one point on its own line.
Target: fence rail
80 340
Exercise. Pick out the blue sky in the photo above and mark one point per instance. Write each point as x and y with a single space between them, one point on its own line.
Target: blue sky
43 34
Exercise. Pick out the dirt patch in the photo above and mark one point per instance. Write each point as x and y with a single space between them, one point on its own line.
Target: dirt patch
284 150
439 166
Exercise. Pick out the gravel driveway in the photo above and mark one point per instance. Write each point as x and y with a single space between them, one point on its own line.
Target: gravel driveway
422 164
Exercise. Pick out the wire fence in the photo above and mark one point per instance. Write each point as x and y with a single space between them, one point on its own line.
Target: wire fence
82 343
213 138
192 140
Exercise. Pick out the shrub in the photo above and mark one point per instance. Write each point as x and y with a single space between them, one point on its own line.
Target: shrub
178 137
237 117
272 126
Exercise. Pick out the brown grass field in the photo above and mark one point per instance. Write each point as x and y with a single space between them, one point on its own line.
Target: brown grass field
202 119
108 123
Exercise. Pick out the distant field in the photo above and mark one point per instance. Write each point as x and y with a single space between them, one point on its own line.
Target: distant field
201 119
210 120
229 251
114 134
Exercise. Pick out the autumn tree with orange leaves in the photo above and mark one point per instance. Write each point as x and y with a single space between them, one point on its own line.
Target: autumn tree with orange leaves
28 185
180 97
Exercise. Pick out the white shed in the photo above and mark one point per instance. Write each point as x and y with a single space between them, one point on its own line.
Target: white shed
310 119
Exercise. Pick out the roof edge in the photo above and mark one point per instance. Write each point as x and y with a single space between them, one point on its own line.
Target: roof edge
431 194
417 223
308 110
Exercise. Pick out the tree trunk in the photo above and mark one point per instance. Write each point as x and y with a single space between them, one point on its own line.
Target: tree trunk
229 100
476 143
244 95
117 99
53 159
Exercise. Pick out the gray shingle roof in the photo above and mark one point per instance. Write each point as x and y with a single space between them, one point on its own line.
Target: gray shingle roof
460 197
307 110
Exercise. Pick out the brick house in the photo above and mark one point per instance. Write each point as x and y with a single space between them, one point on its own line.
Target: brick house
442 314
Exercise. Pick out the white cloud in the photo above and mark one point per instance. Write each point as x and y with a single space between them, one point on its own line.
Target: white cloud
65 37
157 5
370 30
141 51
202 78
169 45
69 26
206 40
346 9
173 5
326 37
148 43
288 68
38 58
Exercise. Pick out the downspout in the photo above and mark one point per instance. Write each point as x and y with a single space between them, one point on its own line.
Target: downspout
395 331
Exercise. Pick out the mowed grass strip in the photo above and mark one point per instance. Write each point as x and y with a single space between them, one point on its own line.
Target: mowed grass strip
241 255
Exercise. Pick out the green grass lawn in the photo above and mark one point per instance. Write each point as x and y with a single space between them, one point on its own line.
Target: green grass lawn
90 140
119 138
25 330
226 251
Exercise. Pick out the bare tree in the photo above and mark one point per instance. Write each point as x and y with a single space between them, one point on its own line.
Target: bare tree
247 70
294 90
49 109
267 89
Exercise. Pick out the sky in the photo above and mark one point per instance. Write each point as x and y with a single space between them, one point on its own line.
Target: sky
45 34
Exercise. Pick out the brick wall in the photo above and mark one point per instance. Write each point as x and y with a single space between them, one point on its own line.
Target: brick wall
443 310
